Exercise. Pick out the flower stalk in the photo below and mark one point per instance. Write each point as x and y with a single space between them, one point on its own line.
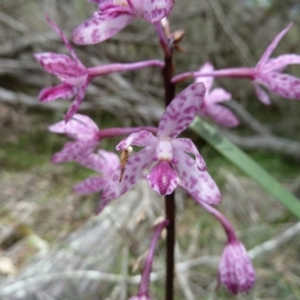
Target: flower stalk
170 205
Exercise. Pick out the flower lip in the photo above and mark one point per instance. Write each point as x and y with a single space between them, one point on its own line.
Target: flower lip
163 178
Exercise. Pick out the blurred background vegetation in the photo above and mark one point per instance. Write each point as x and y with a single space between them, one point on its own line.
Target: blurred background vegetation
43 223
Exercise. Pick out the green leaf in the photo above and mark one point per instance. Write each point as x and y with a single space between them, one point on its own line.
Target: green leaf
245 163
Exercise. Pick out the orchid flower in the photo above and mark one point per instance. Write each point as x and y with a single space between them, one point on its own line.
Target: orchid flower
74 76
113 15
83 130
87 136
267 72
71 72
166 156
210 107
143 293
236 271
103 162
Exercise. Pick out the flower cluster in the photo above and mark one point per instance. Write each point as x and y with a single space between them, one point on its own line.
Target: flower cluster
165 160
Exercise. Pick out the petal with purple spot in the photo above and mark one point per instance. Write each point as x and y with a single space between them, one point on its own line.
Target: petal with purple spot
60 65
181 111
77 102
133 172
162 178
80 127
222 115
73 151
186 145
142 138
90 185
198 184
151 10
65 40
99 28
63 91
284 85
281 62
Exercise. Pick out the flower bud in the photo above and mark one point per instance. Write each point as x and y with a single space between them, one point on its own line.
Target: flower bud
236 271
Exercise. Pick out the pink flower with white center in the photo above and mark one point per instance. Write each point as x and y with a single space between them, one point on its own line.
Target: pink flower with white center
166 156
114 15
268 72
103 162
87 136
210 106
143 293
72 73
236 271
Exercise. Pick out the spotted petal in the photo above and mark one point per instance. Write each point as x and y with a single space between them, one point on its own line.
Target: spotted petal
281 62
60 65
181 111
162 178
73 151
63 91
133 172
188 146
151 10
221 115
65 40
99 28
90 185
77 102
284 85
104 162
198 184
80 127
272 46
142 138
93 161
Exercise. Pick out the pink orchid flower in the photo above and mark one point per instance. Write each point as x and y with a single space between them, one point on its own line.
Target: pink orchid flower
267 73
166 156
83 130
74 76
210 106
71 72
114 15
103 162
86 135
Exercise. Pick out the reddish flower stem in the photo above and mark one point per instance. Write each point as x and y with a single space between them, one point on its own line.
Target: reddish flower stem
170 206
122 67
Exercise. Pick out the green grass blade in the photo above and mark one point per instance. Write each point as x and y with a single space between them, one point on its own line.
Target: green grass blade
245 163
